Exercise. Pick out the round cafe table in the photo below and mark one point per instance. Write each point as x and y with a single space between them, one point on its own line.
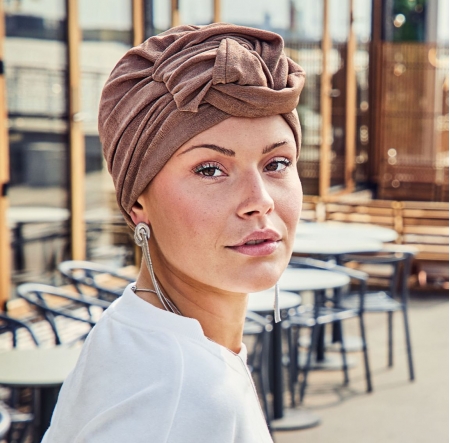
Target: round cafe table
42 369
334 247
284 419
331 241
338 230
36 214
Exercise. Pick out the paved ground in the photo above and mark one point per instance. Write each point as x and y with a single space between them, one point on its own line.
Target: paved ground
397 411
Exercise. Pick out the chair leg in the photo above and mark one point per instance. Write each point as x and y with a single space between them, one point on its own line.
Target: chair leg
293 336
390 340
366 355
264 374
343 353
408 344
312 346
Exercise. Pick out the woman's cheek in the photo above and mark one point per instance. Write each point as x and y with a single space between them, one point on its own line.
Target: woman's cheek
290 204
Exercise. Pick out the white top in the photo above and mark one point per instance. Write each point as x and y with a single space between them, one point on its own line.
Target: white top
149 376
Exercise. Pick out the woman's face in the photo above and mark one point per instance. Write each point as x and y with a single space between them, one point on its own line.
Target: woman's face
224 209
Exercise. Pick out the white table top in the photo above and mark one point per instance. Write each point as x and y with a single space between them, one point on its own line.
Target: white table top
299 279
263 301
326 245
348 230
36 214
40 367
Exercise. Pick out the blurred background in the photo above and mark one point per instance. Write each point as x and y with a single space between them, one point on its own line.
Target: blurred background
374 116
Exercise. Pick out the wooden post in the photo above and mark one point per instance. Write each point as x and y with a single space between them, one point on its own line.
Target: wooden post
350 107
138 22
5 242
375 71
174 13
325 109
217 11
76 138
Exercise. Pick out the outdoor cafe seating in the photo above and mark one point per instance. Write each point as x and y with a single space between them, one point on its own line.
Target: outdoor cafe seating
389 300
325 310
275 350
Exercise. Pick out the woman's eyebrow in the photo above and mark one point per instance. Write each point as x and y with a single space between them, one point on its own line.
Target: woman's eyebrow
230 152
273 146
224 151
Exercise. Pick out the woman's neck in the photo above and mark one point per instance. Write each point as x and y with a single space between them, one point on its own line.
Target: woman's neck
221 314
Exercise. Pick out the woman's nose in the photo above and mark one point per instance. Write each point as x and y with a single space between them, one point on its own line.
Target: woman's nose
255 198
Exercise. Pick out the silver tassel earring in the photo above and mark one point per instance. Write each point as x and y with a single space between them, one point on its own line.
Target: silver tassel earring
141 238
276 306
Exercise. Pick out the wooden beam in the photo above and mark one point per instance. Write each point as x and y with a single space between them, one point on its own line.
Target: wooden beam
217 11
350 107
174 13
138 22
5 242
325 108
375 71
76 137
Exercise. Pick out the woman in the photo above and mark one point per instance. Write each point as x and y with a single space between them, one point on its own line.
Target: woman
201 137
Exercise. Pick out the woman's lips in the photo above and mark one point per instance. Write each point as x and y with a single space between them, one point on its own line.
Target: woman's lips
258 243
266 247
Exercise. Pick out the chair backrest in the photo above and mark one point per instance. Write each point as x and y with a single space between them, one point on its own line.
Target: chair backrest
400 262
320 298
95 279
52 302
378 212
425 226
12 326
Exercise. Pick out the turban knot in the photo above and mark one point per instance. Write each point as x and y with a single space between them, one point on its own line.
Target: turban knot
182 82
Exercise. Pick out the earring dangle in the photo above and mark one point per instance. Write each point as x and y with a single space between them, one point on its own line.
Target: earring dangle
141 237
276 306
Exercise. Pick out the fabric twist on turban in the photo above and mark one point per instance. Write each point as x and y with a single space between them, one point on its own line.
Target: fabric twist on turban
182 82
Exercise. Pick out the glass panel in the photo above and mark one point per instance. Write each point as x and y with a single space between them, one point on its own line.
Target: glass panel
107 35
264 14
305 49
196 12
36 69
36 73
362 26
157 16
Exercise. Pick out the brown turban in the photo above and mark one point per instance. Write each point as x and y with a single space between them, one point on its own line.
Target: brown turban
182 82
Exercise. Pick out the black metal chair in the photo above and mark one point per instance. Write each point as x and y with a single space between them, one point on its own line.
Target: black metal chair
12 326
259 328
394 298
324 311
19 423
52 302
84 274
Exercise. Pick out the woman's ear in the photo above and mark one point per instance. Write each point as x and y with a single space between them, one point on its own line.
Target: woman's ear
138 214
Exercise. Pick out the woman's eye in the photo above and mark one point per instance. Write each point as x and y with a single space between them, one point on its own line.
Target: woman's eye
209 170
278 165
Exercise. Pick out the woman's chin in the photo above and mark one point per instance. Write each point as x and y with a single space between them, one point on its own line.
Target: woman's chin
250 285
